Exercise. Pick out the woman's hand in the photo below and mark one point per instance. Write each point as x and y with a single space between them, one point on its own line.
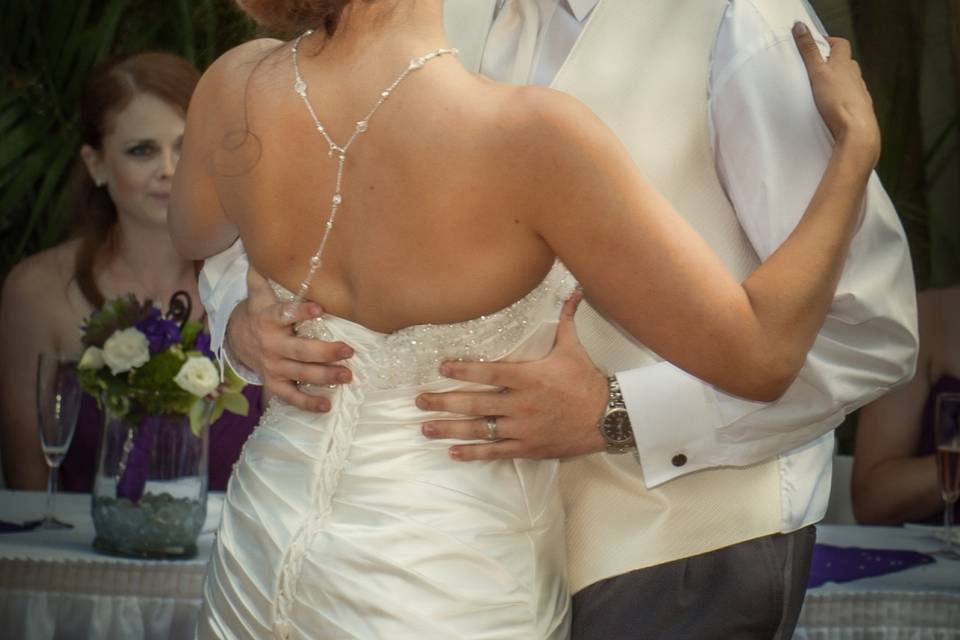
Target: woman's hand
840 93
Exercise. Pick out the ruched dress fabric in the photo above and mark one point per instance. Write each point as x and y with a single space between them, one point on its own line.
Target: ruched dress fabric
351 524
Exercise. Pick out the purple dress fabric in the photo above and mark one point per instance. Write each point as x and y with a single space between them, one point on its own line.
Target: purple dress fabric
926 444
227 436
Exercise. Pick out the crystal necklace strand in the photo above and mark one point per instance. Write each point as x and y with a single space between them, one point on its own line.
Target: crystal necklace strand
300 86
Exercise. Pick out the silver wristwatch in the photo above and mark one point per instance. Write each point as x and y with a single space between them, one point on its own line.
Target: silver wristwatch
615 424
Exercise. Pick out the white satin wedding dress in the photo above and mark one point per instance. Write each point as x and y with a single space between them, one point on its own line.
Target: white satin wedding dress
351 524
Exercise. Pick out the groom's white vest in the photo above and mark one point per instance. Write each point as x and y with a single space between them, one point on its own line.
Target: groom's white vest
643 66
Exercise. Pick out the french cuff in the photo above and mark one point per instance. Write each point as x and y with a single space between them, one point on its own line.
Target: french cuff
675 419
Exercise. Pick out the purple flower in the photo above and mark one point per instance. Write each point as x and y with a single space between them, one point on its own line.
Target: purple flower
161 333
202 344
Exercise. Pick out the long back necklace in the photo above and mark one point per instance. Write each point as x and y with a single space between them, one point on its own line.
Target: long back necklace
340 153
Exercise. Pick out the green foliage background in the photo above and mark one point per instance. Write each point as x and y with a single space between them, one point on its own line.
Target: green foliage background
47 48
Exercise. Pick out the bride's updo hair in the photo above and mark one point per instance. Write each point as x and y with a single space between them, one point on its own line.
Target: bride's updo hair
292 17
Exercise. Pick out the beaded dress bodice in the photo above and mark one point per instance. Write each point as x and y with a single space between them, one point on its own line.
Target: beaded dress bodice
412 355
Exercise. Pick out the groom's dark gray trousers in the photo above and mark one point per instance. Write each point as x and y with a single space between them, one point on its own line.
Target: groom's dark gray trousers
750 591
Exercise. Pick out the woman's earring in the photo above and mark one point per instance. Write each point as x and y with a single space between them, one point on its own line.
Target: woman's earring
100 182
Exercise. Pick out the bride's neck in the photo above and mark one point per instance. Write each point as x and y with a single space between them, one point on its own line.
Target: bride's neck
388 28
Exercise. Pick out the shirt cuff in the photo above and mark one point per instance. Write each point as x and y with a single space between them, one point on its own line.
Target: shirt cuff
675 418
245 373
218 338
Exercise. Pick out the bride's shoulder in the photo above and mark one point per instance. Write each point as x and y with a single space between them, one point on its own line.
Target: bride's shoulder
556 133
226 81
244 58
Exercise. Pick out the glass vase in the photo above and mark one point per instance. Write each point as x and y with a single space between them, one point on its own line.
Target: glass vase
150 491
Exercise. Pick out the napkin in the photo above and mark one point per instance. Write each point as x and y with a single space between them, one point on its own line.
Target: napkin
845 564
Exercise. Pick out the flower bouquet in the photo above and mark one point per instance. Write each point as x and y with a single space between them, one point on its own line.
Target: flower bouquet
158 388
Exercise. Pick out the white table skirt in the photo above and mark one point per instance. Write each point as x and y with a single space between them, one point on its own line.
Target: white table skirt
921 603
53 586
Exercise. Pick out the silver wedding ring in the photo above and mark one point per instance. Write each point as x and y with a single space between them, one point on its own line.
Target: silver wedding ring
492 428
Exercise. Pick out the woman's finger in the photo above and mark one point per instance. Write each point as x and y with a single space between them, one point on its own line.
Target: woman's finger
807 46
840 48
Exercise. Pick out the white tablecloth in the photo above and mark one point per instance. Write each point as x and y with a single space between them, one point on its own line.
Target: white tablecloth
53 585
921 603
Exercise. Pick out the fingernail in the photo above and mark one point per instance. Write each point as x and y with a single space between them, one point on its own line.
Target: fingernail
445 369
343 376
422 403
345 352
429 430
324 407
455 453
799 28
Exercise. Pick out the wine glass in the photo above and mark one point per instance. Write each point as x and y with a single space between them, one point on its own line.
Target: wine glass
58 404
947 438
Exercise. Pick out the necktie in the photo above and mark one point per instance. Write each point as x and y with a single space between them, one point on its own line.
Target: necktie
508 54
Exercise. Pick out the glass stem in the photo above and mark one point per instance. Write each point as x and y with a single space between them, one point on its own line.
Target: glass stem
52 478
948 526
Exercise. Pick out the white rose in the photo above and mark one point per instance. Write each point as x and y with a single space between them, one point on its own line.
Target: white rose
126 349
198 376
92 358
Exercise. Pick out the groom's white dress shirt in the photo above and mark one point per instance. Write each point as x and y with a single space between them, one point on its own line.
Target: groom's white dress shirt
769 163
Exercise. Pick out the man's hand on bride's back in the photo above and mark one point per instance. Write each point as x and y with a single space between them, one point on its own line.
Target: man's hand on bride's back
547 408
263 340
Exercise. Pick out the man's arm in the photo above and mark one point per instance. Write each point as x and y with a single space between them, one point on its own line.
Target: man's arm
772 148
257 341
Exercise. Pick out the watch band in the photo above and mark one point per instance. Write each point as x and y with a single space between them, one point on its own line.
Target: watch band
615 425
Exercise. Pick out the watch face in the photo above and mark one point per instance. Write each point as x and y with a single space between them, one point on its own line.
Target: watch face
616 427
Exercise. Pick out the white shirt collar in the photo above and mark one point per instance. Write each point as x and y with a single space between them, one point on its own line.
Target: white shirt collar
580 9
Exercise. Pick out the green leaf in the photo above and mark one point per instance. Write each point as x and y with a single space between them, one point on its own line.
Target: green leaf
188 334
235 403
233 382
199 416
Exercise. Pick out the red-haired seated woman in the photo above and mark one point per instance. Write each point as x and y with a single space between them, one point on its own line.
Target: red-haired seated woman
132 120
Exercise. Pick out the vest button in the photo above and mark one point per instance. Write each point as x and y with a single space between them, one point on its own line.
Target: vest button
679 460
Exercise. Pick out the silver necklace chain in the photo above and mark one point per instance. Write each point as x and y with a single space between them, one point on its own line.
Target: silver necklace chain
340 151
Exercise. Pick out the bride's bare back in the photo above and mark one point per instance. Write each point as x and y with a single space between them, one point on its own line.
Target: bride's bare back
462 192
428 230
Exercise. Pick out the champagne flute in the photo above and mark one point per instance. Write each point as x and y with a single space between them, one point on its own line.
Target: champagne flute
58 404
947 438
